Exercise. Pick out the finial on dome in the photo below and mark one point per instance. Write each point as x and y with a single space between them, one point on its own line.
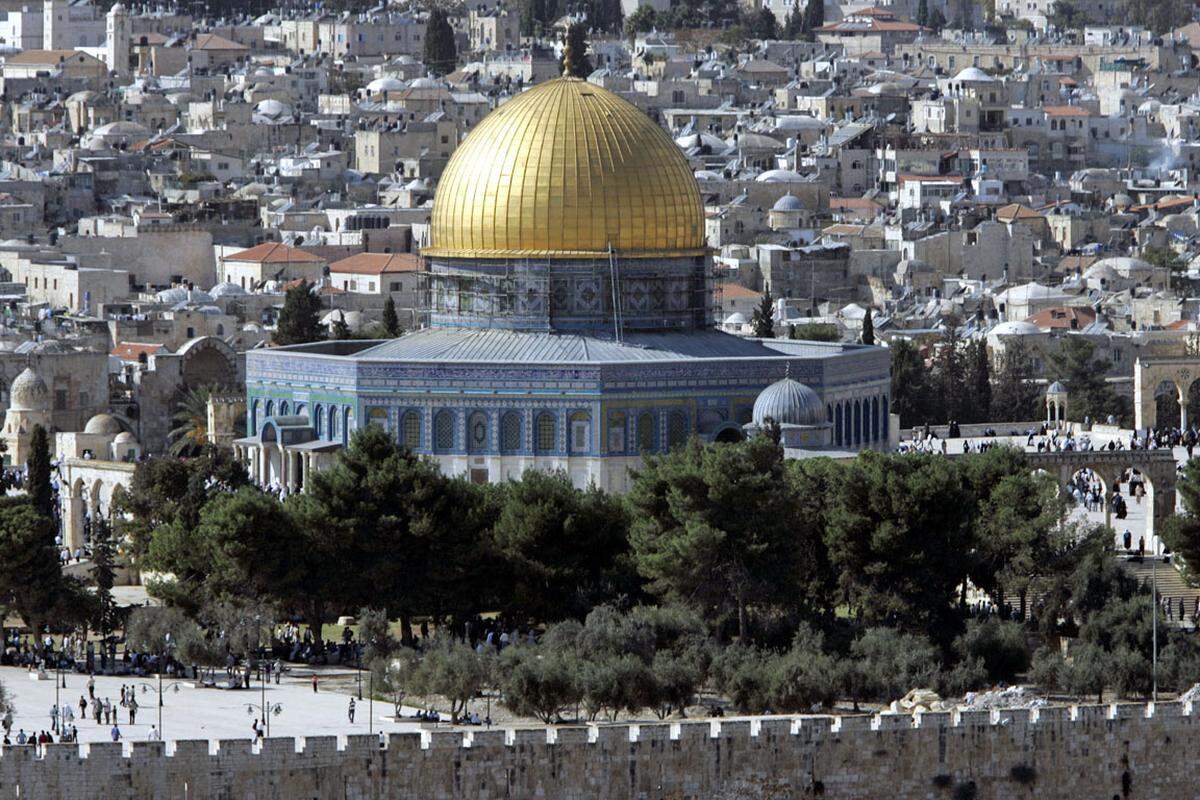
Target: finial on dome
568 62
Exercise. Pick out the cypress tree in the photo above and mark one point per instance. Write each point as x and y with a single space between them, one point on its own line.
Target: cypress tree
868 328
38 469
441 53
391 322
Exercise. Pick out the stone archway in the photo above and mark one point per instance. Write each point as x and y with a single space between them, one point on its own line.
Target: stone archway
208 361
1149 374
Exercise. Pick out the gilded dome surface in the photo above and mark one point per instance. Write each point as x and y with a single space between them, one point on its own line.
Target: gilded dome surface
563 171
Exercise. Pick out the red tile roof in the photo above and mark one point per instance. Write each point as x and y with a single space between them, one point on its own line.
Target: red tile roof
377 263
129 351
274 253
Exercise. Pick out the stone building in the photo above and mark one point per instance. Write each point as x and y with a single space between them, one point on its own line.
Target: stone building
570 319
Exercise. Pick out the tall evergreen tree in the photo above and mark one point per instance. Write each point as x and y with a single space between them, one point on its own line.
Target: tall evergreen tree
1015 395
104 574
300 320
391 321
814 14
763 24
533 12
1089 395
441 52
913 394
868 328
980 405
952 377
923 13
763 319
793 23
41 495
575 61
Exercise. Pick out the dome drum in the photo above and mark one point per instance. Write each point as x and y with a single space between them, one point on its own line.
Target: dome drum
571 295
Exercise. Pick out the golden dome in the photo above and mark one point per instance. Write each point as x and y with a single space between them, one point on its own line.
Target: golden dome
564 170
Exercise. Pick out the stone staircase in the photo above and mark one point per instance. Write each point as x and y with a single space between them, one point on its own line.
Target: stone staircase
1169 580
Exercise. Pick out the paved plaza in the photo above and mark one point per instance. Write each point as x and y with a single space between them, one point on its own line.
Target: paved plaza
191 713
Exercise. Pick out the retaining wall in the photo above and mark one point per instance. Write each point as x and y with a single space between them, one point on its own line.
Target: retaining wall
1103 752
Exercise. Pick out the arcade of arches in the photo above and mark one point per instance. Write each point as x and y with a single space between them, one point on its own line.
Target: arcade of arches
1166 392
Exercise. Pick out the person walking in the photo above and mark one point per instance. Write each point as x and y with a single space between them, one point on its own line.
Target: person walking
133 709
314 683
91 686
115 733
351 711
154 735
54 717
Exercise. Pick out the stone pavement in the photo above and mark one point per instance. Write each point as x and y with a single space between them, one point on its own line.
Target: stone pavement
191 713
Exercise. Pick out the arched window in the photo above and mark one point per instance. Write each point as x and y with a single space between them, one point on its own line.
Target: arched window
410 430
645 432
886 421
510 432
284 408
270 412
443 431
333 423
347 424
677 429
874 419
477 432
616 432
256 415
581 432
837 425
301 409
545 433
857 423
319 420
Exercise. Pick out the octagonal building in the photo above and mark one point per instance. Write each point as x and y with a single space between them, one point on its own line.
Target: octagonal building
570 299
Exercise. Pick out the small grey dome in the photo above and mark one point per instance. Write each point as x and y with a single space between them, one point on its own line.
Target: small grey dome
29 392
788 402
105 424
789 202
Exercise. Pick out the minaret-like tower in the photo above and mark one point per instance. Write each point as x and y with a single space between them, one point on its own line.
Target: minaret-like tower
54 24
117 42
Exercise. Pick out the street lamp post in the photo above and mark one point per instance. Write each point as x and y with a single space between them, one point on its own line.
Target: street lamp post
1154 626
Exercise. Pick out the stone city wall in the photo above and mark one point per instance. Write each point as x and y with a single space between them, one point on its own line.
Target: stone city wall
1118 751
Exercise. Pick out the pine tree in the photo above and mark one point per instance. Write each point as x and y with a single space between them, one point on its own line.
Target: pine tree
38 472
575 61
391 322
868 328
300 320
441 52
763 320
